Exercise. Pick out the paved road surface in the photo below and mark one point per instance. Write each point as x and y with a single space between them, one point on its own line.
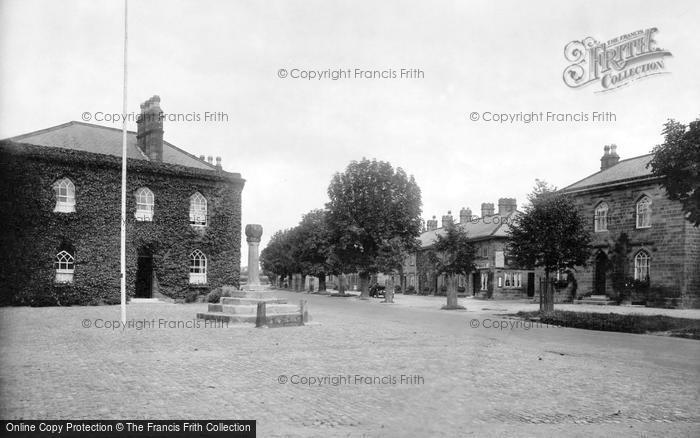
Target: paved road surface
458 380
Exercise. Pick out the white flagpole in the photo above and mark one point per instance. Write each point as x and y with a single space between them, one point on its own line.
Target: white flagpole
123 221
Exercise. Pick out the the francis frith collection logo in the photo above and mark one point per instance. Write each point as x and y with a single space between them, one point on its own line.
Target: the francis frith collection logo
615 63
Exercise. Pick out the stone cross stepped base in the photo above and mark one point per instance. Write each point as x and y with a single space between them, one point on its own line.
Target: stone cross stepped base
242 306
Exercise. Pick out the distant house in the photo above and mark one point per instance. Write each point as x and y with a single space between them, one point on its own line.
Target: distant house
644 250
495 276
61 204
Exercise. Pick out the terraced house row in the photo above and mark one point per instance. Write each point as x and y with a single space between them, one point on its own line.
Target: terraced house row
643 250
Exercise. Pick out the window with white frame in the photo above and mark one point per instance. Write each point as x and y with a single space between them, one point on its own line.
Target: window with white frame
198 267
65 267
144 205
65 196
513 279
641 266
644 212
198 209
484 281
601 217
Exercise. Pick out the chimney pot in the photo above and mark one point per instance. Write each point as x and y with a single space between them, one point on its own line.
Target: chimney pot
506 206
487 209
610 157
432 224
447 219
202 157
149 134
210 159
465 215
218 162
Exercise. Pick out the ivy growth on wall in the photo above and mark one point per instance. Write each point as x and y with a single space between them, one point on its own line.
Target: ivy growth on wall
32 233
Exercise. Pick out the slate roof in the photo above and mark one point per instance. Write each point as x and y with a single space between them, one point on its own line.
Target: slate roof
478 229
630 169
104 140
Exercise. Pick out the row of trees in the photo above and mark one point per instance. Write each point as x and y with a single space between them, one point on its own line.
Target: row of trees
373 220
370 224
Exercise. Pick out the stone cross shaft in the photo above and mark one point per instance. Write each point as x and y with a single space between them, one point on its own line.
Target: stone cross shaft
253 232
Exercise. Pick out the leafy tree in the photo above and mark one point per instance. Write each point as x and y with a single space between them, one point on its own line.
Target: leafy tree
454 255
391 258
549 234
312 249
678 161
371 204
276 258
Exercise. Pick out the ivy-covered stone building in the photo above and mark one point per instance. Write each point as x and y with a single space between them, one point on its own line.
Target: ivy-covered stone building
61 204
644 250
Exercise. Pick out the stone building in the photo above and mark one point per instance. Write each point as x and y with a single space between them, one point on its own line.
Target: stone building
644 250
61 203
495 276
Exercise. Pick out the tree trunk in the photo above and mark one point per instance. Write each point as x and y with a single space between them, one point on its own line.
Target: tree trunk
302 282
364 285
452 294
341 284
322 282
547 305
311 283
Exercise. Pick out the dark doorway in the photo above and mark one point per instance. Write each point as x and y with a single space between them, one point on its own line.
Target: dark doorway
601 267
144 274
476 283
530 284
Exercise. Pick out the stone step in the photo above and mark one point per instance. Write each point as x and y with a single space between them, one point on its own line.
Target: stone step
247 309
145 301
599 300
251 301
264 294
276 320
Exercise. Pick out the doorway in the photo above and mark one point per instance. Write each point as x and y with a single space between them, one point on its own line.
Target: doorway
530 284
601 267
144 274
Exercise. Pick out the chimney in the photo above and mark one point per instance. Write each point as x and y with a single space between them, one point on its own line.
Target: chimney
447 219
218 163
610 157
149 134
487 209
465 215
210 159
506 206
432 224
201 157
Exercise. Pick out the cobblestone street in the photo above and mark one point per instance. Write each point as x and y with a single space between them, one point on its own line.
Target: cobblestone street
464 381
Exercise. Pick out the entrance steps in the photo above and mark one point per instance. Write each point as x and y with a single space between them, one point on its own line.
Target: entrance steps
244 307
144 300
600 300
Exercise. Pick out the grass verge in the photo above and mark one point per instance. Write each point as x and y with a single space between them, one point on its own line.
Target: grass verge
615 322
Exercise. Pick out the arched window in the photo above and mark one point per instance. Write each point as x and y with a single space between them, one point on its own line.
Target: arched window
64 265
198 209
644 212
144 204
198 267
65 196
601 217
641 266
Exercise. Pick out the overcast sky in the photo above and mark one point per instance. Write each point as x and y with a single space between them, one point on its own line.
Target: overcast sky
288 136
